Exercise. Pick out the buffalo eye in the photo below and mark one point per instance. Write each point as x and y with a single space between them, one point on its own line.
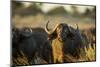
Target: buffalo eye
70 35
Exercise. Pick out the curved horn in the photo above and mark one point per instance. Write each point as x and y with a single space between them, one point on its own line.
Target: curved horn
48 30
31 30
77 29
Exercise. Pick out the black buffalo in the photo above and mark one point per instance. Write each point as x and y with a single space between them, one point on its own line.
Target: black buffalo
65 40
91 36
32 42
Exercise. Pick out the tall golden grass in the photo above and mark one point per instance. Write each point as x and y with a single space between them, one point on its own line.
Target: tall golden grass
89 56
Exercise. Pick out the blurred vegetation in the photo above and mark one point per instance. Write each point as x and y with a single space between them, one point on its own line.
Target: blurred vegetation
74 10
36 8
18 8
90 13
57 11
15 5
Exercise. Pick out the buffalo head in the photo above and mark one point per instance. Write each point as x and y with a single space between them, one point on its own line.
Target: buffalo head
61 31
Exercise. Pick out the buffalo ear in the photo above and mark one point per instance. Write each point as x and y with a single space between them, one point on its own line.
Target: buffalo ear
52 36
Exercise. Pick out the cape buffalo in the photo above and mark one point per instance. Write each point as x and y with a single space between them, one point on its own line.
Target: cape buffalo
65 40
31 42
91 36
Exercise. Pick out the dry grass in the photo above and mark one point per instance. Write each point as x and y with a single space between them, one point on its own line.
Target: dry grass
91 53
89 56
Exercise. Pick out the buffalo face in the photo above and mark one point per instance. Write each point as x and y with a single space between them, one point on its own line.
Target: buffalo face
64 32
61 31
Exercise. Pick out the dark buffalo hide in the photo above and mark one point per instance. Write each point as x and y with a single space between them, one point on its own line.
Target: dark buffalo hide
31 43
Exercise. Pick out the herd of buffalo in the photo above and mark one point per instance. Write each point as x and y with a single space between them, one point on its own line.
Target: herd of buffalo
50 45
